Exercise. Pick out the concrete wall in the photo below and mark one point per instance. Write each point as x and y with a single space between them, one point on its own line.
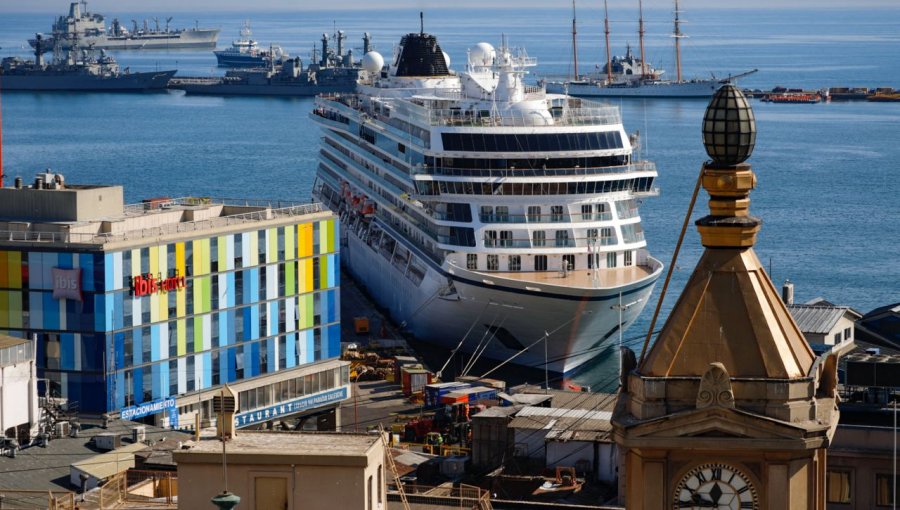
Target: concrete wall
864 452
309 487
18 396
531 443
68 204
492 441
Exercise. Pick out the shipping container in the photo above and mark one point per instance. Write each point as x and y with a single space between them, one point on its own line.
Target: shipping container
434 391
414 379
469 395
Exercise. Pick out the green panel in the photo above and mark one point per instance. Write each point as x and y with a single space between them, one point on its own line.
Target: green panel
272 254
15 309
330 229
290 271
323 273
198 334
307 321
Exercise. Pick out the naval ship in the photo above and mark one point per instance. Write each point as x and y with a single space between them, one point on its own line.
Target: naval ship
484 214
245 52
88 30
632 76
334 72
75 70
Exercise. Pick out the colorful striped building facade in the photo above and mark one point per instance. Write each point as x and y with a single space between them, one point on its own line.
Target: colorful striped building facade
228 304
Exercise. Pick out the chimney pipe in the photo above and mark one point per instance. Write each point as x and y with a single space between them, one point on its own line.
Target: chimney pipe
787 292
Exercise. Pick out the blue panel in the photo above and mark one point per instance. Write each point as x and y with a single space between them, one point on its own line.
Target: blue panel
119 358
86 263
156 380
36 305
35 263
100 312
271 358
337 304
253 279
253 369
330 305
137 380
232 364
67 351
273 317
164 381
223 329
119 383
118 316
332 270
231 316
310 346
247 315
230 285
154 345
223 366
137 347
207 369
254 322
51 311
109 277
64 261
334 341
290 350
93 348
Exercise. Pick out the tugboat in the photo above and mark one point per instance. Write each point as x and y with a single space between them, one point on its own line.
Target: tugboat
75 70
245 52
84 29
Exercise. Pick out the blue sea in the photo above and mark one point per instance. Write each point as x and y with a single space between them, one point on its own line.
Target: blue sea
827 193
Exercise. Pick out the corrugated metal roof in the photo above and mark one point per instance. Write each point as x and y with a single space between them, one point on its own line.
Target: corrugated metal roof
110 463
581 414
818 319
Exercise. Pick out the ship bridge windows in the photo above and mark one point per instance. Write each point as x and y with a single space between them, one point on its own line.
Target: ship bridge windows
483 167
539 238
635 185
540 142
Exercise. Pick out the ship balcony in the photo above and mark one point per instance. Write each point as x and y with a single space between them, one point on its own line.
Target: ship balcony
425 170
545 218
578 283
581 242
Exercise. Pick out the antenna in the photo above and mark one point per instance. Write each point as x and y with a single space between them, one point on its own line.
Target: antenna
421 23
608 56
574 42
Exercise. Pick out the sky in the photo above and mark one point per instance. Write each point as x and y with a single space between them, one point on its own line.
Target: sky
111 6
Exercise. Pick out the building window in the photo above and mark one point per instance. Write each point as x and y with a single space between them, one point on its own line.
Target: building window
607 236
515 262
611 259
592 234
837 338
380 482
472 261
539 238
848 334
506 238
540 262
493 263
562 238
884 490
556 213
369 494
568 262
502 213
839 487
534 213
628 259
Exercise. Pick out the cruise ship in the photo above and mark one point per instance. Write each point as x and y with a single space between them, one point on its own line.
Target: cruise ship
486 215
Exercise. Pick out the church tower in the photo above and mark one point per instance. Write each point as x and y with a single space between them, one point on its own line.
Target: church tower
730 409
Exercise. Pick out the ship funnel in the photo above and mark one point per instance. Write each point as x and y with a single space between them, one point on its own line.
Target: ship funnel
787 292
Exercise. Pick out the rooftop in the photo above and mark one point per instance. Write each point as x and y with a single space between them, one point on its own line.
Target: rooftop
819 318
316 448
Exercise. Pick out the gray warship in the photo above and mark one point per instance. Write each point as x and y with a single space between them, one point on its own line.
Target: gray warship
84 29
334 72
75 70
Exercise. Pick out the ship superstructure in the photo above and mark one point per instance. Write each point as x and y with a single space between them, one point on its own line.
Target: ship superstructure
84 29
485 214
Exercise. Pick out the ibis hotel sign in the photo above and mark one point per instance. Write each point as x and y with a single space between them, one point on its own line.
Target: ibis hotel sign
290 407
147 284
66 283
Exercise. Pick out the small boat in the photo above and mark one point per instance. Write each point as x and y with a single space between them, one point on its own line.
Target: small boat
793 97
245 52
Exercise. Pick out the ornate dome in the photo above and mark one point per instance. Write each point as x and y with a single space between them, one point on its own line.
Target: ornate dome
729 127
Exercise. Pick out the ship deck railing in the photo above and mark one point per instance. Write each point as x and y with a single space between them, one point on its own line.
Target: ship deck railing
260 210
641 166
545 218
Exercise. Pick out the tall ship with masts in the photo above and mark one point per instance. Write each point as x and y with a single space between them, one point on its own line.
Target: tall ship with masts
633 76
84 29
484 214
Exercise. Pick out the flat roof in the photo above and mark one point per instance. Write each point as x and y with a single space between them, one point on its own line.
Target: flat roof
10 341
110 463
284 447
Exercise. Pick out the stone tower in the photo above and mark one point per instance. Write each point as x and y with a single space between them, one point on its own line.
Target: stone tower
730 409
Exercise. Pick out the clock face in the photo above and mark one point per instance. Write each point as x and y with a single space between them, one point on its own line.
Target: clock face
716 486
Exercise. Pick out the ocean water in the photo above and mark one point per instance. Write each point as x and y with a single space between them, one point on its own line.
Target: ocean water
827 193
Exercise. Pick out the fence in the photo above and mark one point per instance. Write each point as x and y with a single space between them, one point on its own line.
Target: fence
150 488
52 500
463 497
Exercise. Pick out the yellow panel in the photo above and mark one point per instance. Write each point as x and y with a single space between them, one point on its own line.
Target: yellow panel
154 260
304 240
163 313
135 262
15 309
182 332
4 309
307 282
254 248
14 261
179 260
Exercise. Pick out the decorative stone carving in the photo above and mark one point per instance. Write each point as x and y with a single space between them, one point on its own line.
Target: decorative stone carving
715 388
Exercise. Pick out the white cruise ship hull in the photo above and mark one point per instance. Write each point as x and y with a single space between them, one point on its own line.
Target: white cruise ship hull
695 88
577 326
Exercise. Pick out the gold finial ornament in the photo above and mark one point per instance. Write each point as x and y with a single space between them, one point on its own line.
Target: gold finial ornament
729 127
729 135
